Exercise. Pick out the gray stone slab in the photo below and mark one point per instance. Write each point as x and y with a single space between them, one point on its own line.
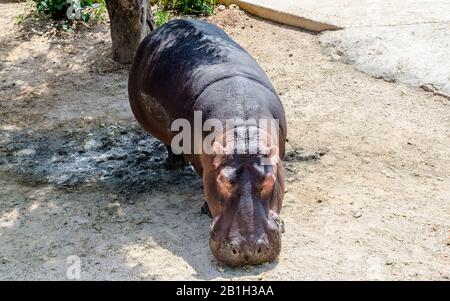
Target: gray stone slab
412 54
356 13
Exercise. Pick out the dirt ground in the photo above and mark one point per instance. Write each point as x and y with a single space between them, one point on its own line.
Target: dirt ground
368 165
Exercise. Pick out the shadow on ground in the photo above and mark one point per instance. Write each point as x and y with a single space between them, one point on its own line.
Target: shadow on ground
114 177
84 177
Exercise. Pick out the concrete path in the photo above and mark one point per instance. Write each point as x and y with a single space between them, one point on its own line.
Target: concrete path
350 13
417 55
406 41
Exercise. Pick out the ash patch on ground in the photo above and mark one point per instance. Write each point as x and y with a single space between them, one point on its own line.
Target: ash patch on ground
295 156
299 154
124 159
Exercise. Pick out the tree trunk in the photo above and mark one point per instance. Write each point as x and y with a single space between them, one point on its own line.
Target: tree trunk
130 21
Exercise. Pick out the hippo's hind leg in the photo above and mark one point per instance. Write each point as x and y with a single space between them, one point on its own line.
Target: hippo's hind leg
174 161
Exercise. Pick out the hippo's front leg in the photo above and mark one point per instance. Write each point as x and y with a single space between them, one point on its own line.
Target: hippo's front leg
205 210
174 161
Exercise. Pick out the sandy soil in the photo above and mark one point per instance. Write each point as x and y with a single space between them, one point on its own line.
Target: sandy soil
368 186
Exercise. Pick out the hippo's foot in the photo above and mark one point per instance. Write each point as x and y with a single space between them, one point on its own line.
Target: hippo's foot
205 210
174 161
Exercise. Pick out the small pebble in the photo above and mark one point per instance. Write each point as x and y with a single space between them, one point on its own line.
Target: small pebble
357 215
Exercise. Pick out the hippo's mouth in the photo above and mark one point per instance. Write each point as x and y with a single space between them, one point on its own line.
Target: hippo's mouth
236 250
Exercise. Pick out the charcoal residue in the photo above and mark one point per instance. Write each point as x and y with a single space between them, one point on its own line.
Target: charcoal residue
123 158
299 154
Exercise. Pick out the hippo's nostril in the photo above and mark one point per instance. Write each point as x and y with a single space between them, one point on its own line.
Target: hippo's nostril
233 249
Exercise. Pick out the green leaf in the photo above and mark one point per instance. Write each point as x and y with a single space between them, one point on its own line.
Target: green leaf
85 17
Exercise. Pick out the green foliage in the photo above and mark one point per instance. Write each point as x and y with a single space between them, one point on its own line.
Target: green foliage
161 16
190 7
100 11
86 11
56 9
94 10
20 19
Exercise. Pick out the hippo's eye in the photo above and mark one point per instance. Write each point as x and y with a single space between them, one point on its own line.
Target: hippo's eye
226 182
262 170
228 174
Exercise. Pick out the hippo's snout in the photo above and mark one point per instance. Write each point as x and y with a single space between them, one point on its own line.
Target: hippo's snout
240 253
238 249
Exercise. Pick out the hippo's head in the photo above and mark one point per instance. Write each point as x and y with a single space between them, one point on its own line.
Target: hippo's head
244 193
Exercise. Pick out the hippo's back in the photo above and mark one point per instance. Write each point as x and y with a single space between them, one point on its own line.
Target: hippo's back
175 63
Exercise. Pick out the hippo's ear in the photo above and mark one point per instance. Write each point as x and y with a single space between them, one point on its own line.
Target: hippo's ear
272 151
218 149
272 154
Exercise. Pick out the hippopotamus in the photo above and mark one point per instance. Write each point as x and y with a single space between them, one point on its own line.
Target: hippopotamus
186 67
